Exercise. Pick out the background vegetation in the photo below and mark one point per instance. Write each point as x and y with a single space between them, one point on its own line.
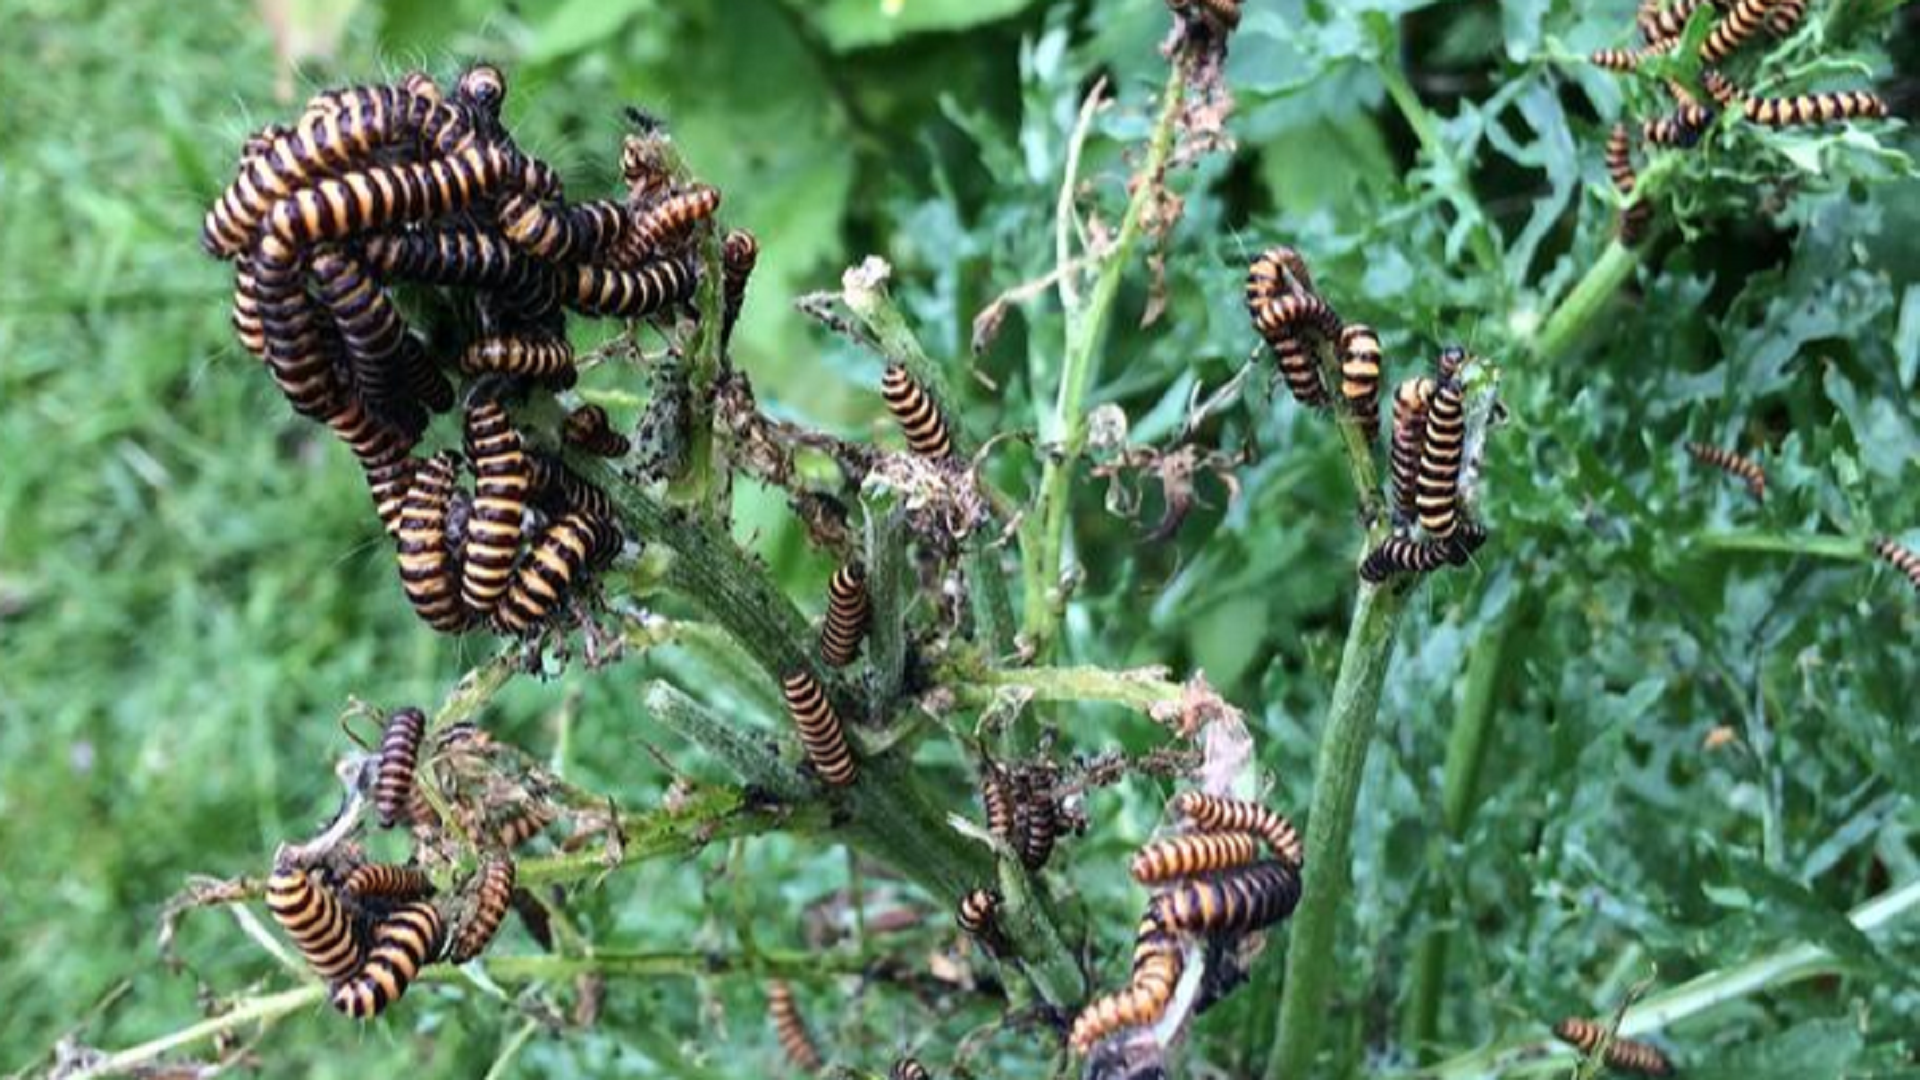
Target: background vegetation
191 586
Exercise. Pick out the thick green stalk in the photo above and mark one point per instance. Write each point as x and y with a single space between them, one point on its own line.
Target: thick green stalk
1086 335
1578 310
1142 688
1459 798
711 816
1336 788
1778 543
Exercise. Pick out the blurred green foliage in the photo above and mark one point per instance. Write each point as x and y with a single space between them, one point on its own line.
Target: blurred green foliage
191 587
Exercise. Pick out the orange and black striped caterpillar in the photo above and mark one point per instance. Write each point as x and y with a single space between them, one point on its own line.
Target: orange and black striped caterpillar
1217 813
492 897
1023 809
739 254
1798 109
1738 466
1442 450
1405 555
1219 16
791 1029
588 430
546 358
660 228
1236 901
1624 1055
503 481
917 414
581 232
1158 964
381 196
566 549
1637 215
1657 23
1899 557
907 1068
1191 854
404 941
387 881
389 364
428 566
634 294
399 757
1360 374
1680 129
1409 434
848 613
821 734
320 926
1742 20
979 916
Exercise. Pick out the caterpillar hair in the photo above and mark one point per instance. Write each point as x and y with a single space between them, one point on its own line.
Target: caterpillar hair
405 941
821 734
316 921
1738 466
848 613
1194 853
492 897
1624 1055
791 1029
1217 813
399 756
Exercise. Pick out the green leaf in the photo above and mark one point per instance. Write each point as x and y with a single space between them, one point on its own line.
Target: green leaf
577 24
855 24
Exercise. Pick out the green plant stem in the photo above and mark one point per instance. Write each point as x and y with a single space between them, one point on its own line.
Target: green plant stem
1459 798
269 1008
1777 543
1141 688
712 816
1583 304
1532 1054
1085 337
1336 787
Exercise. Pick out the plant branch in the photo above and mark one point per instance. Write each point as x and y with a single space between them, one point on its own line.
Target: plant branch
1336 788
1085 336
1577 311
1140 688
1778 543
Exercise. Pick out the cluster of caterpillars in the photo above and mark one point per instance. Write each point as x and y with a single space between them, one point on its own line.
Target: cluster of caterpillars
1428 443
1736 25
400 184
369 928
1211 887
